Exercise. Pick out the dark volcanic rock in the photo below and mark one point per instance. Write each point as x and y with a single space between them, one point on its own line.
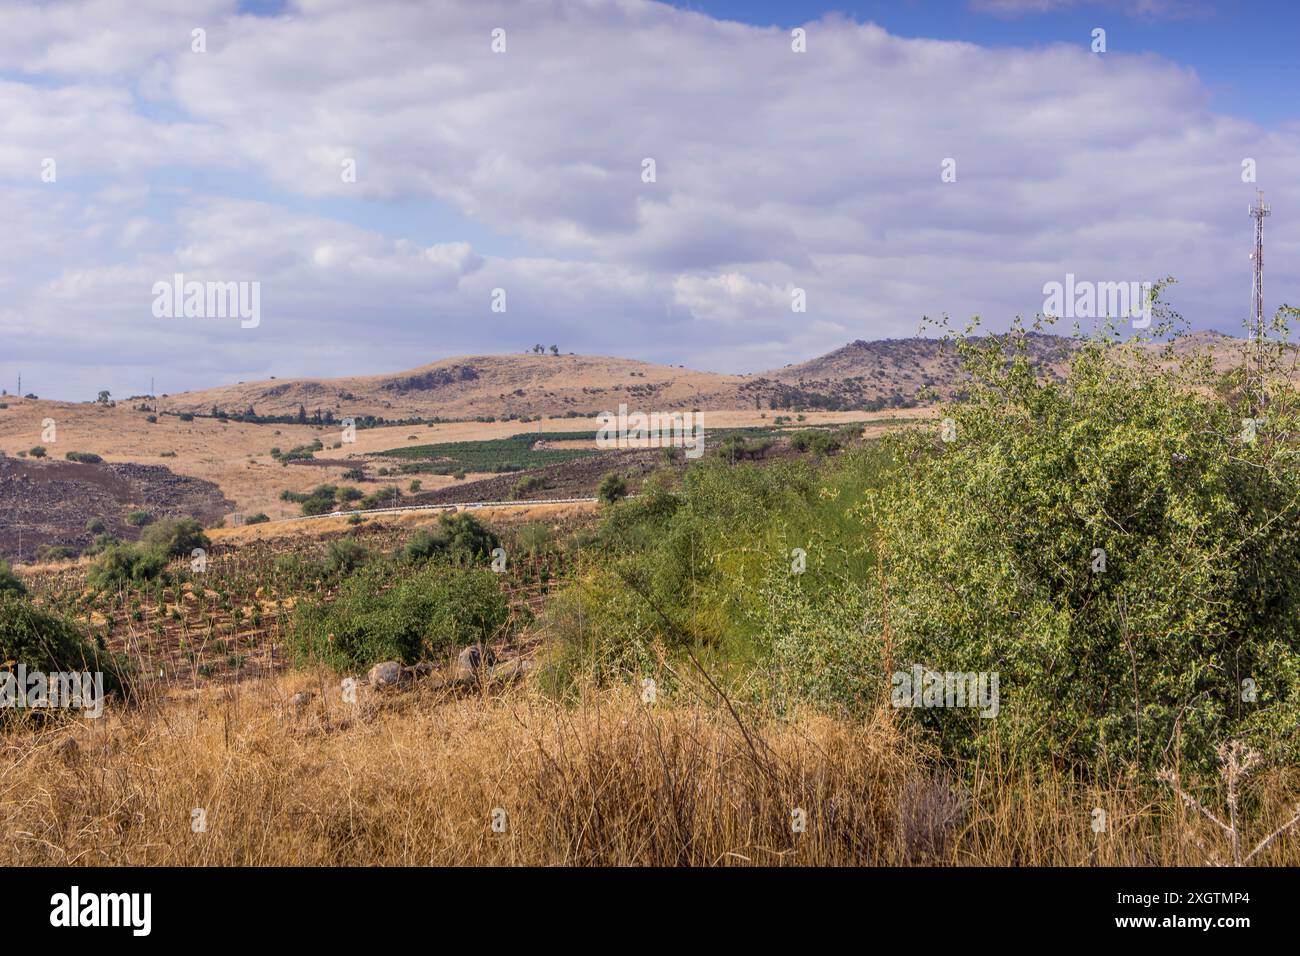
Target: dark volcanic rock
49 502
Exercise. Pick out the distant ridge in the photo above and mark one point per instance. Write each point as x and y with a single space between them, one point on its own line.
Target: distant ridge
862 375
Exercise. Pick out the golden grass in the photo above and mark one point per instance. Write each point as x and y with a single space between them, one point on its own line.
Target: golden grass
414 777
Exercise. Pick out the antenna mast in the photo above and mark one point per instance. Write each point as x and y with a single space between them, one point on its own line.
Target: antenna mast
1258 210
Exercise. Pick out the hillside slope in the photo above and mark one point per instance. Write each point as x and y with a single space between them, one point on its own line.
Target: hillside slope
862 375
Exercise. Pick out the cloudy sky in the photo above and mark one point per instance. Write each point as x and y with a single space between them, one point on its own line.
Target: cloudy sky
133 148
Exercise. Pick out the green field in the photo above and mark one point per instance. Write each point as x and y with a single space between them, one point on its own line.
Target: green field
496 455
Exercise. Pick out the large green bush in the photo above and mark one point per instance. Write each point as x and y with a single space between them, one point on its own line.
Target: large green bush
992 544
372 619
46 642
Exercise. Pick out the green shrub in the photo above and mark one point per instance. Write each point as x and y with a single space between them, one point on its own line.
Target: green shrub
176 537
84 457
138 519
991 544
437 608
345 555
467 538
57 553
102 543
95 526
37 451
613 487
526 486
10 583
385 498
121 565
259 518
424 545
48 643
816 440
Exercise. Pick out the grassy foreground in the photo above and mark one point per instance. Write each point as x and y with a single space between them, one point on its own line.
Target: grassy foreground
418 777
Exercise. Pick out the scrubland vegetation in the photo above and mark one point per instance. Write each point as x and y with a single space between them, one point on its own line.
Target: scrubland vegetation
716 656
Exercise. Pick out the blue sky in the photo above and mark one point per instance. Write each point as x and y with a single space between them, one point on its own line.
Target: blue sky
777 172
1245 51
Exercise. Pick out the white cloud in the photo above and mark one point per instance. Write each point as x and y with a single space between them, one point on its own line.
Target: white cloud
774 170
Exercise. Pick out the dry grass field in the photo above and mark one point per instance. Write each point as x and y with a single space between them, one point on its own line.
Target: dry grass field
510 778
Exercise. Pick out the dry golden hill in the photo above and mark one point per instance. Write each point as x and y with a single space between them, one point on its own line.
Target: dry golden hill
478 385
866 376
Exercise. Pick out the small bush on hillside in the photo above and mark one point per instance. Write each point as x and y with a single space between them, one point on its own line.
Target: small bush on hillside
54 552
526 486
176 537
613 487
816 440
345 555
95 526
468 538
84 457
736 447
259 518
121 565
102 543
10 583
138 519
37 451
424 545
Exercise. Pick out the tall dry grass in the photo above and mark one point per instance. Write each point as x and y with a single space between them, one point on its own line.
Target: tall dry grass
415 778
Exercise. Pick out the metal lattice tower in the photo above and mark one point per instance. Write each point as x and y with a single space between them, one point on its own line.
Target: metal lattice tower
1258 210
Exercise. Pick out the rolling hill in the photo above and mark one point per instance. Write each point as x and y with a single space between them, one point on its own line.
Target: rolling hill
859 376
